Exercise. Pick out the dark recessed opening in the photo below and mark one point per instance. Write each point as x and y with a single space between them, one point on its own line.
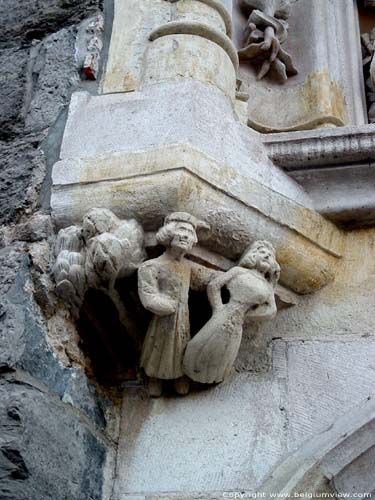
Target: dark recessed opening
199 310
113 351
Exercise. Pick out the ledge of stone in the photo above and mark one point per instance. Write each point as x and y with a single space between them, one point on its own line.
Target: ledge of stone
151 183
322 147
334 166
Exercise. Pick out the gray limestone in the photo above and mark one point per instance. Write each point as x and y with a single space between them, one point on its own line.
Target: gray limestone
53 420
47 450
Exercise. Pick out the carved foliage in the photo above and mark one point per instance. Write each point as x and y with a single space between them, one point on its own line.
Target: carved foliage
266 31
95 254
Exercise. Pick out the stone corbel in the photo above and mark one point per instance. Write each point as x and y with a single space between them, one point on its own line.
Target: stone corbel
104 248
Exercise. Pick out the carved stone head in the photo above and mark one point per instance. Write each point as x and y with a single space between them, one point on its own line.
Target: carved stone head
179 231
261 256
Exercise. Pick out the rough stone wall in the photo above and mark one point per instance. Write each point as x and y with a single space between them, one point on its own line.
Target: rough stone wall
53 425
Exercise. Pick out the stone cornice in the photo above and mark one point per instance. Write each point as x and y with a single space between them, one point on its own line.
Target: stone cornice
155 182
322 148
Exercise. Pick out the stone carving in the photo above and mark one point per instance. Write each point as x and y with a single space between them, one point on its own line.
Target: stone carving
94 46
163 285
266 31
210 355
94 255
368 60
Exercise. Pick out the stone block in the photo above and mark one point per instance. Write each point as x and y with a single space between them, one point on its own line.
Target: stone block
149 184
53 74
211 441
345 366
47 451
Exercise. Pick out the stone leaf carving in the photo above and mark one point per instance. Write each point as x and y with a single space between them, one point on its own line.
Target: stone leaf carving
69 268
210 355
94 255
368 61
163 285
266 31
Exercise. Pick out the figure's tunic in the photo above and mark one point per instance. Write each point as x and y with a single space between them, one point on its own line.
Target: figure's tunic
161 281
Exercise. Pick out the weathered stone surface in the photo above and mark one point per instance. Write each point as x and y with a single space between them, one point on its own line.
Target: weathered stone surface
40 18
213 441
331 456
21 160
47 450
12 88
35 85
38 227
52 418
52 76
23 338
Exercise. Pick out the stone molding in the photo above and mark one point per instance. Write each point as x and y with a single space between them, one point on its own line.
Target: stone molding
334 166
216 4
158 184
322 148
197 29
324 457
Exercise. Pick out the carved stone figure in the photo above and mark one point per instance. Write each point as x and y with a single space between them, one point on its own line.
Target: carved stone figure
211 353
95 255
368 61
266 31
163 285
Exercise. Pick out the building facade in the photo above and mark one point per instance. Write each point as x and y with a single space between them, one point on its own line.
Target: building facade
187 249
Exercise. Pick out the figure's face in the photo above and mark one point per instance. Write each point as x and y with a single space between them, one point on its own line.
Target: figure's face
184 237
265 259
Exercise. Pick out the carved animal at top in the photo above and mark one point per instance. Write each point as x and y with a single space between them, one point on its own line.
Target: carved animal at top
114 247
95 255
266 30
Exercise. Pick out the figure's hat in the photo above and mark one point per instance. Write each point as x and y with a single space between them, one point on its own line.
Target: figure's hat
185 217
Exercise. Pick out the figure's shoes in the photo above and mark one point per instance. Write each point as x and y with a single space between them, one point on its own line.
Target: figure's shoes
182 386
155 387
